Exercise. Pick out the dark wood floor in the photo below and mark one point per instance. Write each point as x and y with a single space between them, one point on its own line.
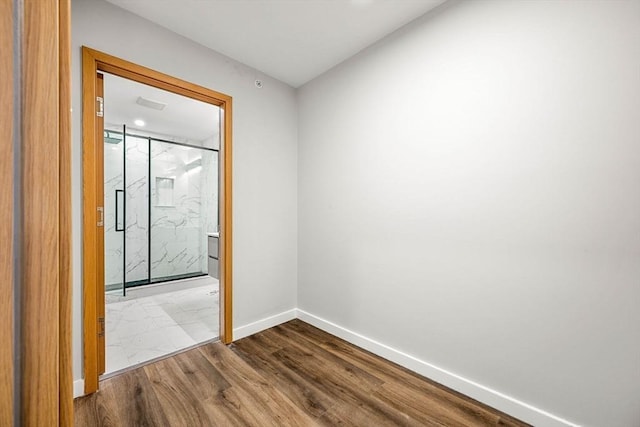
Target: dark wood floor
290 375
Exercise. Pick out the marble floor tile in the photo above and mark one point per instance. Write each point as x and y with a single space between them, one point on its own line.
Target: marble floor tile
141 328
116 358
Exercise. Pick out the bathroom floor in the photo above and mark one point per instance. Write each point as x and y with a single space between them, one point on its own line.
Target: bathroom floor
142 327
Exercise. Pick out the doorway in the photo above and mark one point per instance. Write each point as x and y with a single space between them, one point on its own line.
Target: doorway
139 187
160 173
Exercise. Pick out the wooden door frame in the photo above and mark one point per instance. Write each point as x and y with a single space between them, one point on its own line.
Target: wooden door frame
99 195
92 62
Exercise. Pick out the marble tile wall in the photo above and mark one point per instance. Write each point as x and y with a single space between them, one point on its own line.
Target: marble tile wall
176 228
209 200
180 216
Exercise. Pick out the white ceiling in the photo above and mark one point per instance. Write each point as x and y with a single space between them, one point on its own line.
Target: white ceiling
182 119
291 40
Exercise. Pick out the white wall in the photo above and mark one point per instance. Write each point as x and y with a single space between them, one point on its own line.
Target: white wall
264 152
469 195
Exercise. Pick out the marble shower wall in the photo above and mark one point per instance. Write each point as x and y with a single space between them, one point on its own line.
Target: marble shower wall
209 200
180 209
183 208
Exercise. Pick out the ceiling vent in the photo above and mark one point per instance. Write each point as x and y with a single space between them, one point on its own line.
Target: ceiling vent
156 105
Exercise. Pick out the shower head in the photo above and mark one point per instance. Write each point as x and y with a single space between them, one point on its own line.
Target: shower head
112 137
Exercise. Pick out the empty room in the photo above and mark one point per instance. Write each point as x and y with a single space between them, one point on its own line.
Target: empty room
322 212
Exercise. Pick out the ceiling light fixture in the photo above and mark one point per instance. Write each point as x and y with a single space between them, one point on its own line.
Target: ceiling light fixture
138 122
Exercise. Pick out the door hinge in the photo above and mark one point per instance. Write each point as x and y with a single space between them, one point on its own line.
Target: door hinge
101 326
100 216
100 111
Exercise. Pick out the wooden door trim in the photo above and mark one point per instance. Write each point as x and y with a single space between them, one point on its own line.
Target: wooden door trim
92 62
99 195
89 221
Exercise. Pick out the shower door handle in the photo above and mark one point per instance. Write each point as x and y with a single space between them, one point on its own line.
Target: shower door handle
119 207
101 216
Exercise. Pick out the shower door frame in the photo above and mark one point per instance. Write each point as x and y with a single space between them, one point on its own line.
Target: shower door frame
94 61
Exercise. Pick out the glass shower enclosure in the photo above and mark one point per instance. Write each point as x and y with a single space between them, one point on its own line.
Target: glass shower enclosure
161 200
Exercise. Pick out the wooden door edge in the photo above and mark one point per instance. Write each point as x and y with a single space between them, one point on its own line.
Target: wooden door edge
65 232
39 252
7 190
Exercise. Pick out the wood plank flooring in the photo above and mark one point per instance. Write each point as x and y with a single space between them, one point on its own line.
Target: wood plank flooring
289 375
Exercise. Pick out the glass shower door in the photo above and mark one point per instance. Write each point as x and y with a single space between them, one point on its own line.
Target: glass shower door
113 210
136 212
126 195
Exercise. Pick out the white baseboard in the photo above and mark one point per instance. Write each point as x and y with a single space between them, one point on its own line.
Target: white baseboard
493 398
78 388
262 324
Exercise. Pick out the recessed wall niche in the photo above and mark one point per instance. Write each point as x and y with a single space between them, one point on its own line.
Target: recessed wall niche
164 191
